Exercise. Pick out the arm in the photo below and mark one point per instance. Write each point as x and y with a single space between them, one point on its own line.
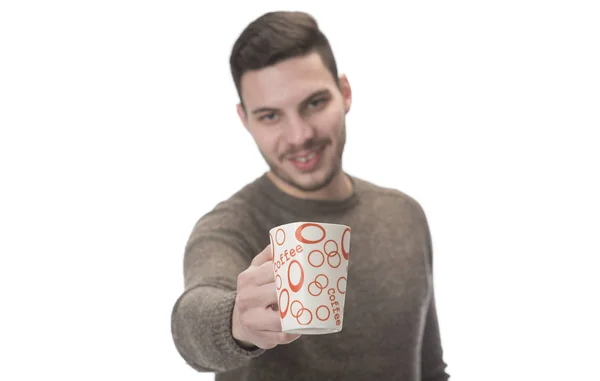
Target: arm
216 253
433 367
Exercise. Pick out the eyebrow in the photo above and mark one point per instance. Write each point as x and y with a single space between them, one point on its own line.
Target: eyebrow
317 93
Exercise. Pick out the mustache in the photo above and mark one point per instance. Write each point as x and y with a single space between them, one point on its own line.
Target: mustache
307 146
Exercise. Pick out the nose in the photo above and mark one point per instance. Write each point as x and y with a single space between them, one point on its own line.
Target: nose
299 131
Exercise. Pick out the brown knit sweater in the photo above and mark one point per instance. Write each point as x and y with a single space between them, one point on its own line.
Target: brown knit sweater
390 322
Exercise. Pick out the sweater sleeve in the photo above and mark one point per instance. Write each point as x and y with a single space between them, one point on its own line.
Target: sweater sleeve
217 251
433 366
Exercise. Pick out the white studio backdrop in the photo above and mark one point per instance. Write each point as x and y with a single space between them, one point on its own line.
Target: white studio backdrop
119 130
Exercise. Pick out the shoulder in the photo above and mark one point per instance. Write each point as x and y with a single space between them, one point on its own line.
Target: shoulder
234 216
376 195
396 206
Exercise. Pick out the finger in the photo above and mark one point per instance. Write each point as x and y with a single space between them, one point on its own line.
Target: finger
263 274
263 257
271 339
259 275
262 320
270 322
265 328
266 295
257 297
290 337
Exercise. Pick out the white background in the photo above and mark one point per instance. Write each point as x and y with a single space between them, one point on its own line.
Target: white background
119 130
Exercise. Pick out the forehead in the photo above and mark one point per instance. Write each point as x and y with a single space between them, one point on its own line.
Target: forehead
286 83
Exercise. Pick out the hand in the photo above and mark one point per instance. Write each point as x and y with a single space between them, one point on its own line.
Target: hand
255 320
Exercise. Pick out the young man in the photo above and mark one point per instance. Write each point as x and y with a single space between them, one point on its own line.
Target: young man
294 104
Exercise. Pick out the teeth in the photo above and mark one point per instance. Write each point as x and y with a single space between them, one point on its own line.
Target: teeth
305 159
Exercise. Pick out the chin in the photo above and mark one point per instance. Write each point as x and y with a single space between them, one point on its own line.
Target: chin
312 182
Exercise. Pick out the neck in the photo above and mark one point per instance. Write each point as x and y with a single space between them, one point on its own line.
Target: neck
340 188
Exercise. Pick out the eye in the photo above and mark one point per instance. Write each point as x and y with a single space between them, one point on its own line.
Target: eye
268 118
316 102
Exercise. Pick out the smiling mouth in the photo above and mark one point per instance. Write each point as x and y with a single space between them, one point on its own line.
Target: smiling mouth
306 161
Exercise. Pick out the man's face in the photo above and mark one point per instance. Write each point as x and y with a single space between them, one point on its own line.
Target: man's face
295 112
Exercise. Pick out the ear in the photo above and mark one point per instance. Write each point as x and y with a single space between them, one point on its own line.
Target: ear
242 114
346 92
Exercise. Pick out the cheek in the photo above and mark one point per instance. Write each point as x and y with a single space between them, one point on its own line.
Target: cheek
328 123
269 142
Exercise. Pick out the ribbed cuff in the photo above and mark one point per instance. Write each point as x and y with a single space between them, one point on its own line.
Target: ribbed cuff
223 336
201 327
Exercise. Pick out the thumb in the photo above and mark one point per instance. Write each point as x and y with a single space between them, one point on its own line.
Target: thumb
263 257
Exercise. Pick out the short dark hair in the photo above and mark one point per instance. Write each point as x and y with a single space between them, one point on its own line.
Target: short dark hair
274 37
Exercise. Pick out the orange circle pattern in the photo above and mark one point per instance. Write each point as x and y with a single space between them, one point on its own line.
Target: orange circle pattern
299 313
316 287
338 285
277 236
320 308
345 252
283 312
301 238
310 261
303 315
298 286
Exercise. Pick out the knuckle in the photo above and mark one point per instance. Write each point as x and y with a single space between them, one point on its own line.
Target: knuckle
242 301
240 297
244 321
249 321
242 278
